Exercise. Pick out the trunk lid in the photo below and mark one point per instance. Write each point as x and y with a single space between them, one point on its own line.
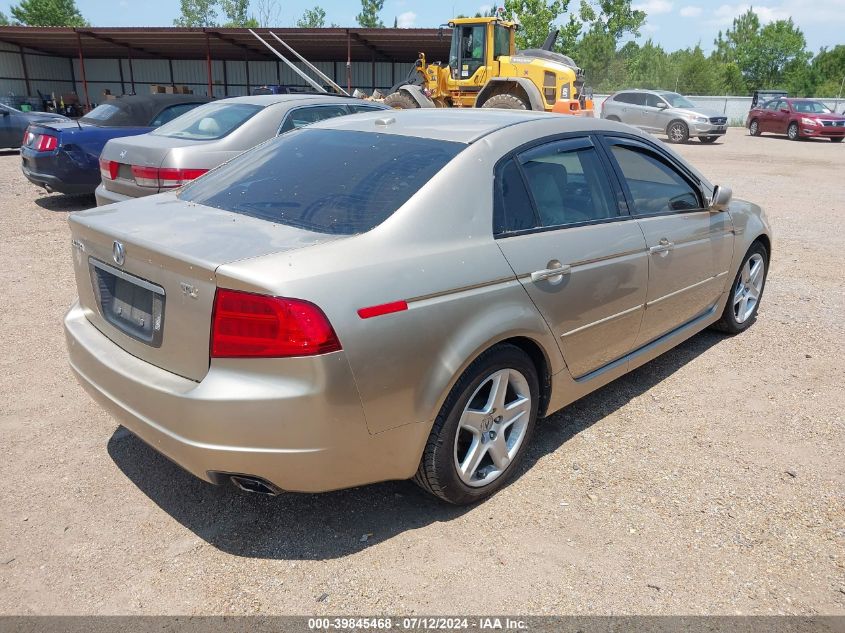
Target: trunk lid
153 295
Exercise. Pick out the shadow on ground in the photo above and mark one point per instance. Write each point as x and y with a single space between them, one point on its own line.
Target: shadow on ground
62 203
331 525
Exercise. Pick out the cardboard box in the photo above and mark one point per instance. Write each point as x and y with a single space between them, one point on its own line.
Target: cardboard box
171 90
157 89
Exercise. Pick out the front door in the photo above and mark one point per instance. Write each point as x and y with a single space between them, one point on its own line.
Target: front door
564 228
652 115
689 247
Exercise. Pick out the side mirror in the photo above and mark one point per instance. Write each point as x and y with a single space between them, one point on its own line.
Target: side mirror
662 105
720 199
785 110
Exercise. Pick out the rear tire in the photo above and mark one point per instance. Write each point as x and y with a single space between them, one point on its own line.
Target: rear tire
708 139
748 287
678 132
506 102
400 101
792 132
754 128
478 440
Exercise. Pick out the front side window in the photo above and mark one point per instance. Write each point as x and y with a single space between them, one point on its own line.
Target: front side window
771 105
502 43
568 183
209 121
467 53
340 182
677 101
304 116
655 186
653 101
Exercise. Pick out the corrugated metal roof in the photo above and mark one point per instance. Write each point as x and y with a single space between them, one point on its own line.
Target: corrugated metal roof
395 45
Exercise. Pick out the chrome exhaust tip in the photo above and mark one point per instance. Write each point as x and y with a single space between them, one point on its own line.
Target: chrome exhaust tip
254 485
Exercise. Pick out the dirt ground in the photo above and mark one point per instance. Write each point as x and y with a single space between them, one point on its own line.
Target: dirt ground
710 481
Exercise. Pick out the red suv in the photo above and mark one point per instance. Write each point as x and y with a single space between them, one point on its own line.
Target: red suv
797 118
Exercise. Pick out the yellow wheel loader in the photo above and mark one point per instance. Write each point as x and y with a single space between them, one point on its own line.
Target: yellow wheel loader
486 71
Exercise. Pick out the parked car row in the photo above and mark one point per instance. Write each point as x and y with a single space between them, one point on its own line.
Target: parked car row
142 144
390 295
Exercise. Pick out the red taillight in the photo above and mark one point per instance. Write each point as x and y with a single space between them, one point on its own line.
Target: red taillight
45 143
109 168
247 325
165 177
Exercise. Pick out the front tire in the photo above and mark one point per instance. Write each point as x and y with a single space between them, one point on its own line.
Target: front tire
400 101
483 428
746 292
792 132
708 139
505 102
678 132
836 139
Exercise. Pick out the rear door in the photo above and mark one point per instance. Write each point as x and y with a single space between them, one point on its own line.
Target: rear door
563 227
689 248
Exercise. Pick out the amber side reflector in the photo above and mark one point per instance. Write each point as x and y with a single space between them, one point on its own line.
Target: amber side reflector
384 308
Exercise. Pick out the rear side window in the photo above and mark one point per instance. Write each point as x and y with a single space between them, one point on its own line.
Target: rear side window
655 186
568 183
330 181
634 98
513 210
209 121
355 108
303 116
168 114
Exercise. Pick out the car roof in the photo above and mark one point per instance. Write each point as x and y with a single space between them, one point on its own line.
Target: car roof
156 99
267 100
460 125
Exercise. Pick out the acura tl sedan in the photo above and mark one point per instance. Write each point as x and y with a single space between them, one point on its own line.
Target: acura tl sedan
401 294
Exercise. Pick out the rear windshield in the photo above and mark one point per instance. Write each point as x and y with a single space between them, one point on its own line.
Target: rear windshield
111 115
329 181
209 121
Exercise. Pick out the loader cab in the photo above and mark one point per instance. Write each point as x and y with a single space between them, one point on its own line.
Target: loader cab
476 44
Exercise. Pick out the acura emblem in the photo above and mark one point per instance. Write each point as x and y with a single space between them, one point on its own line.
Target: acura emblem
118 253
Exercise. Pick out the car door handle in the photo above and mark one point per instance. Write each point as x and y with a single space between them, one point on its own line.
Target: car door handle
550 273
663 246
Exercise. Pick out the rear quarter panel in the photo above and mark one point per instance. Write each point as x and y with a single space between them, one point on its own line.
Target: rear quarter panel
437 253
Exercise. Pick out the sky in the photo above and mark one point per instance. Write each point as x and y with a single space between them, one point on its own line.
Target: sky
672 23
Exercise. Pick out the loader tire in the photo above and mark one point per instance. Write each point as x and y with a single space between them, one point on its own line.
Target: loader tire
400 101
505 102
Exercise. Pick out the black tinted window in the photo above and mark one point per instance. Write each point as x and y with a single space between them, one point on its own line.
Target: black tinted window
655 186
329 181
168 114
513 210
304 116
635 98
568 183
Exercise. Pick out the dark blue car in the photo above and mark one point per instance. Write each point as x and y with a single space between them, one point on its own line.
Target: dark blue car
63 156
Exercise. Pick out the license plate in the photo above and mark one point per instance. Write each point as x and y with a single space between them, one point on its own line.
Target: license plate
721 128
131 304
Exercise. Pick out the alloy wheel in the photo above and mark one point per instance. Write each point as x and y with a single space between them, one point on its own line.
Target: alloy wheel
492 427
749 287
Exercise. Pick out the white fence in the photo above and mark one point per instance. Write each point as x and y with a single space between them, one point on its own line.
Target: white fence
735 108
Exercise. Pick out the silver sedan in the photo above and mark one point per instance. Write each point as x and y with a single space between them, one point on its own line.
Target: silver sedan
401 294
192 144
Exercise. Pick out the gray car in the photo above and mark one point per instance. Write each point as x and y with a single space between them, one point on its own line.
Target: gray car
401 294
664 112
192 144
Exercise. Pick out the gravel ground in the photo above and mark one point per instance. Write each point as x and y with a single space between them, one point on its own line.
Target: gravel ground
710 481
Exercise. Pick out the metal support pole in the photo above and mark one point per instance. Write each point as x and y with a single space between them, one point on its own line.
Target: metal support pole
225 80
25 73
208 65
348 62
131 72
120 71
82 69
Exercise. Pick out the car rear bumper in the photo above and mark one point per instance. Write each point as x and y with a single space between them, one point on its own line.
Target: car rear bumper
295 423
54 183
104 196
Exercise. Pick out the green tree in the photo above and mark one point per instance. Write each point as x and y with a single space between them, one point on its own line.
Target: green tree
48 13
762 54
697 75
829 69
4 19
197 13
312 19
537 17
649 67
236 14
368 18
